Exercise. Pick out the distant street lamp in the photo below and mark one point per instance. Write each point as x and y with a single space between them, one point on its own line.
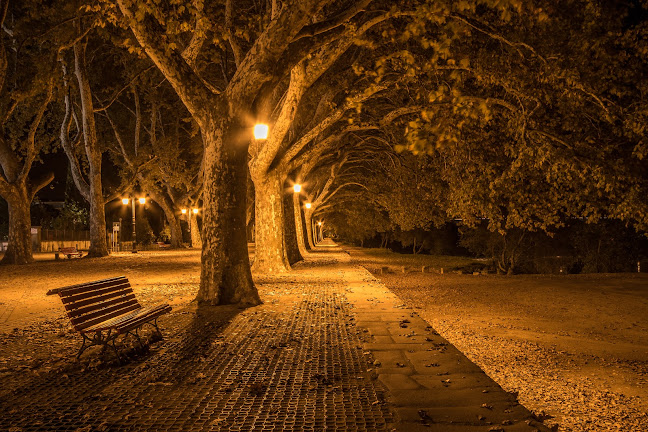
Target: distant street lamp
195 211
261 131
321 233
309 205
183 211
142 201
297 187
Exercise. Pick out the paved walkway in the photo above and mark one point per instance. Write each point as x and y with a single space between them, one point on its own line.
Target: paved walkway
330 349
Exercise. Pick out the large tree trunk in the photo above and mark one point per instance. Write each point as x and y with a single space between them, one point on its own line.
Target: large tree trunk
225 273
19 249
196 237
293 252
270 244
308 215
307 243
176 230
98 242
172 217
299 226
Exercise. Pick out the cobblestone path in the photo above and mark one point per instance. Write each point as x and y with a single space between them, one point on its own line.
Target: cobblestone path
294 363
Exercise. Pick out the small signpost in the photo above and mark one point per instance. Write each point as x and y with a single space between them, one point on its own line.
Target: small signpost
115 236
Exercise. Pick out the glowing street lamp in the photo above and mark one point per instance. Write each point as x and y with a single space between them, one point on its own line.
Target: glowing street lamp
183 211
309 205
261 131
195 211
297 187
142 201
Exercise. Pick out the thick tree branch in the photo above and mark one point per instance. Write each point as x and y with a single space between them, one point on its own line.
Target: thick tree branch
41 183
334 22
229 26
331 119
199 37
187 84
32 148
260 63
64 137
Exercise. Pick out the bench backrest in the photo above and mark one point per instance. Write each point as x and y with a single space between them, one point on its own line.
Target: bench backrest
91 303
71 249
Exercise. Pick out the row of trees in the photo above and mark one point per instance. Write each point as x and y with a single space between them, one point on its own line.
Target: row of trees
521 114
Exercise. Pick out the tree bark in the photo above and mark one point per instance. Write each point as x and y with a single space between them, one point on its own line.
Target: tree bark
308 215
98 242
299 226
196 237
270 245
19 249
293 252
225 272
171 215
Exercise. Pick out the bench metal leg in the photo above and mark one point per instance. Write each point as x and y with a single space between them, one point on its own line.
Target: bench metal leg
137 336
154 324
83 346
115 349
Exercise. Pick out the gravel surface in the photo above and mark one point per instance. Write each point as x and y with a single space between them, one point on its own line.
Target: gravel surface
574 347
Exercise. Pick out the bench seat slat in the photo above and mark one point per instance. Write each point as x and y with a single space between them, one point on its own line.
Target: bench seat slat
74 311
99 298
84 287
125 287
104 314
142 318
113 322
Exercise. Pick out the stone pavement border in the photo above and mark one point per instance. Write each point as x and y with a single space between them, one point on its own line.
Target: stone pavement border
432 385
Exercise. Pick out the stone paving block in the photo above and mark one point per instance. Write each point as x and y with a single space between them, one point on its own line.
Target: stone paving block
393 346
375 329
471 415
433 427
398 381
382 340
479 382
447 397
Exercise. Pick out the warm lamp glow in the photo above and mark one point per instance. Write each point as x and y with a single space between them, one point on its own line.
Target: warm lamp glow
309 205
297 188
319 223
261 131
142 200
124 201
195 211
183 211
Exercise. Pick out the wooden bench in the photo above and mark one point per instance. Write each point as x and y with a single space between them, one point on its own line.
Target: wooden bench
104 309
69 252
163 245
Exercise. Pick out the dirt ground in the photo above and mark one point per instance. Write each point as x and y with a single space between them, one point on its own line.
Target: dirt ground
573 346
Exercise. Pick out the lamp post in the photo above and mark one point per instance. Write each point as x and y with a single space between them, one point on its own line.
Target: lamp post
142 201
